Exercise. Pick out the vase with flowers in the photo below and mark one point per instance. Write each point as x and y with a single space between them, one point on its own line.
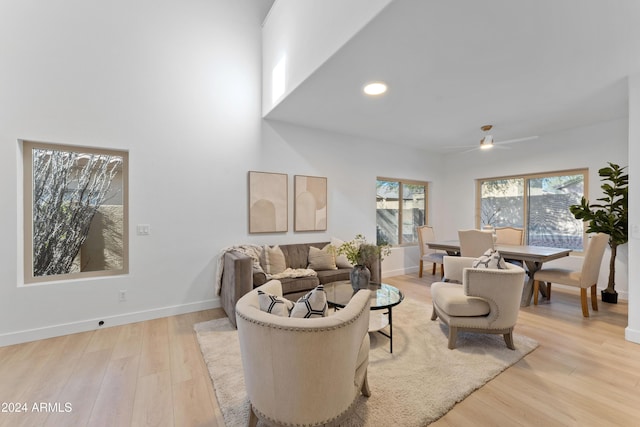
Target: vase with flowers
362 255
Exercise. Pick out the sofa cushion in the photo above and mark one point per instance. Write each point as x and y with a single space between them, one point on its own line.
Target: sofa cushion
322 259
297 255
272 260
274 304
328 276
490 259
313 304
298 284
341 259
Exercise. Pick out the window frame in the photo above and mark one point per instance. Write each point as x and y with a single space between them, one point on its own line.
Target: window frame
527 177
401 183
27 193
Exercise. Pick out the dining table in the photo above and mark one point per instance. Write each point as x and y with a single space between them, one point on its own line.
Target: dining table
532 256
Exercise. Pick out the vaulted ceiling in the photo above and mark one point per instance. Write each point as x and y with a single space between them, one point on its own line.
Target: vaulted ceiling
528 67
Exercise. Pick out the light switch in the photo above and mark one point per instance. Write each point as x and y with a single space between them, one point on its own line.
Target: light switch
143 229
635 231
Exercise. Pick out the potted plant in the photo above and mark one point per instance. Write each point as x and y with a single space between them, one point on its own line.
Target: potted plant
361 254
610 216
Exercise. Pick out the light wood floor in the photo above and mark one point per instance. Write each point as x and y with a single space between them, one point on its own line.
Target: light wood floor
152 374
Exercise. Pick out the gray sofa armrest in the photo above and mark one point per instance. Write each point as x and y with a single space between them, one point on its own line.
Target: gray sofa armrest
237 280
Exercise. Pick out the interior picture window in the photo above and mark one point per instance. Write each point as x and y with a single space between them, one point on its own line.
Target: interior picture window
401 206
537 203
76 220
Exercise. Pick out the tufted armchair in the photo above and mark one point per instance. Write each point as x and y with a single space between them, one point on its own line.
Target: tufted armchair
483 300
303 372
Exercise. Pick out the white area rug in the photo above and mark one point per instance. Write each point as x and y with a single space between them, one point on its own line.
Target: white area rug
414 386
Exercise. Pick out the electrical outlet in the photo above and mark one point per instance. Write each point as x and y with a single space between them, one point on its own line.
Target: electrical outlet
122 295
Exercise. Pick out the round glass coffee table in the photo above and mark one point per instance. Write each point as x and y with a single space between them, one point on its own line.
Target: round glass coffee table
383 297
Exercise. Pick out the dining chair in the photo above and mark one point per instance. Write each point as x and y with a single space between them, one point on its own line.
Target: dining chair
426 234
509 236
474 243
586 277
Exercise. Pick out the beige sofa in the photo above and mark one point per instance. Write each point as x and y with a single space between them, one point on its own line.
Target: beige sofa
303 372
239 276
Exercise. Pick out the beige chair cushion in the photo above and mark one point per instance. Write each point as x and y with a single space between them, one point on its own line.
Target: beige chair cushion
560 275
451 299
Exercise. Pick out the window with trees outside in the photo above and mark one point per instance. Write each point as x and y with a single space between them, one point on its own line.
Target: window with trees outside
538 203
401 206
75 212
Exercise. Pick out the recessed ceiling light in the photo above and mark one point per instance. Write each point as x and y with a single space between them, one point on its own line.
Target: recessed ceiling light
376 88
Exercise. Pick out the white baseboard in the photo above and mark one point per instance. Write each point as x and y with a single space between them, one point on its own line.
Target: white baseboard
92 324
399 271
632 335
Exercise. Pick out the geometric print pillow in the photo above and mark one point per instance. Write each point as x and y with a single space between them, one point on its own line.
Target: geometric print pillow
313 304
274 304
490 259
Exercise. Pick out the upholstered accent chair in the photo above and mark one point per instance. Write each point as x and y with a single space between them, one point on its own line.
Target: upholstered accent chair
473 243
426 234
585 278
483 300
303 372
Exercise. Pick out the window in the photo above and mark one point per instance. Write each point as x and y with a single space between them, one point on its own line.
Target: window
538 203
75 212
401 206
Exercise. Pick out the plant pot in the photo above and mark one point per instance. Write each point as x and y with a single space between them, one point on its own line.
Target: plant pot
611 298
360 276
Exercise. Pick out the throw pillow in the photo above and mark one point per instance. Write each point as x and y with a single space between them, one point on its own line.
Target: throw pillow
321 259
313 304
272 260
274 304
341 259
490 259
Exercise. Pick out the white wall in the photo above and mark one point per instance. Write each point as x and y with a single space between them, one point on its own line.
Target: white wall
307 33
176 83
586 147
632 332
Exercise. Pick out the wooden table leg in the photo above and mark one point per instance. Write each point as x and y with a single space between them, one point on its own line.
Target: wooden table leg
527 292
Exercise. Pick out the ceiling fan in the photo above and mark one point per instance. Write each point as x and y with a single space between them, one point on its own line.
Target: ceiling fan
487 142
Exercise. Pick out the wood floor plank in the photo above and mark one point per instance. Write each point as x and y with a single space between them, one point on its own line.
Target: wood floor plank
114 403
81 390
152 373
155 352
189 408
153 405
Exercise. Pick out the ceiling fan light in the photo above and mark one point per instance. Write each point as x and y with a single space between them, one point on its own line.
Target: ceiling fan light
486 142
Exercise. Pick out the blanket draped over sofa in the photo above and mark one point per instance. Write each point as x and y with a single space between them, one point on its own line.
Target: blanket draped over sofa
239 271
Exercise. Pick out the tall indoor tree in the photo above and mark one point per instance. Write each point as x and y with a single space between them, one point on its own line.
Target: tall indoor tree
610 216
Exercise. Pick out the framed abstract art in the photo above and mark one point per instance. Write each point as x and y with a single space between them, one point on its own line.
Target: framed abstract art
268 198
310 206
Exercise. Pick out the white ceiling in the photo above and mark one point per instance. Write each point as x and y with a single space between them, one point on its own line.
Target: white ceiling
529 67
